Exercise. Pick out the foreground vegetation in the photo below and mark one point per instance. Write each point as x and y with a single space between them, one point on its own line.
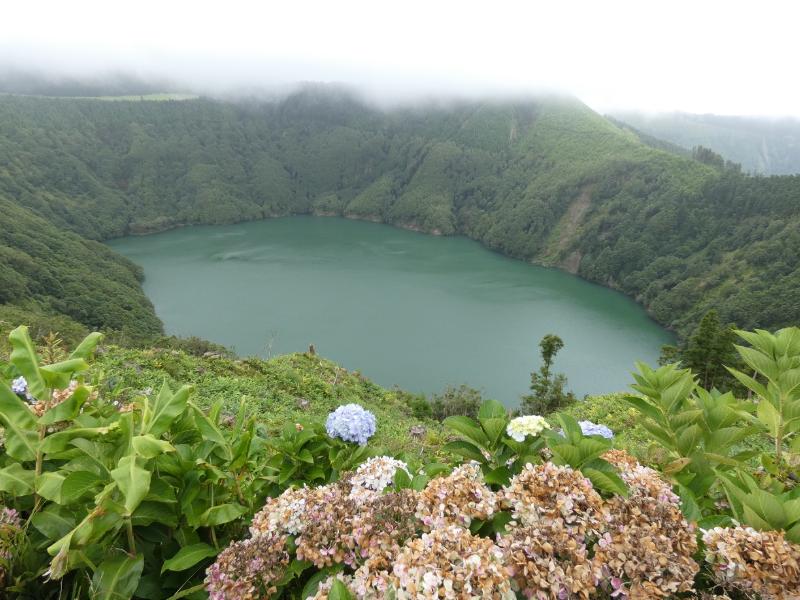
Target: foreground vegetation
546 180
295 478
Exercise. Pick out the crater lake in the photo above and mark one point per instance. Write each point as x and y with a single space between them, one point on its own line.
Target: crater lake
404 308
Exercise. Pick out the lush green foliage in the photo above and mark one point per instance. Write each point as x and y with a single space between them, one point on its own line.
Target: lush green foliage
123 498
487 441
125 490
545 180
707 352
709 437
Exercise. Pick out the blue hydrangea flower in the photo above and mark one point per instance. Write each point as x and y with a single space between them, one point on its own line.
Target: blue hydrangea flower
589 428
351 423
19 386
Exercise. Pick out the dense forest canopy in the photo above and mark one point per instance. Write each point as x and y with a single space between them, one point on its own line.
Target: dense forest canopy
545 180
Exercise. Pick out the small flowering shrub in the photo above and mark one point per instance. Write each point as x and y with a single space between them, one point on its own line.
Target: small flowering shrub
561 539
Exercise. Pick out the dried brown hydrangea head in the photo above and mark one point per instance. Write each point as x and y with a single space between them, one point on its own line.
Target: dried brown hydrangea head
248 570
286 513
382 526
547 562
620 459
326 537
647 549
751 561
549 495
450 562
456 499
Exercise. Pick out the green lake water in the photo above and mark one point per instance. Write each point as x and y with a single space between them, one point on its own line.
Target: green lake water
404 308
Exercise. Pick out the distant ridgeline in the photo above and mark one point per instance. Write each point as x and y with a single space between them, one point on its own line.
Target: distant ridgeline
545 180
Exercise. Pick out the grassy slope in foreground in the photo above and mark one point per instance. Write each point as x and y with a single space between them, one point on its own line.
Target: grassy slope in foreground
285 389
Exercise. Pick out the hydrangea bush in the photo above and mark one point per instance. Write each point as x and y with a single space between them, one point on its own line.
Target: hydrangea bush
558 539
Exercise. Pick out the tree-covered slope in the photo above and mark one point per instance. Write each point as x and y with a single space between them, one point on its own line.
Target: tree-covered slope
545 180
763 145
47 270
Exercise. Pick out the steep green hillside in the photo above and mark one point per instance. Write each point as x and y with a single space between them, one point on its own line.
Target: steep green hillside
761 145
45 270
548 181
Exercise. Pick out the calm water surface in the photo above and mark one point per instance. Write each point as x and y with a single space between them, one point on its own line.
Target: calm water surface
404 308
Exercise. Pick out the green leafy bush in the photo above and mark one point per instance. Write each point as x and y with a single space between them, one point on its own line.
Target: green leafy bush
711 440
503 446
119 499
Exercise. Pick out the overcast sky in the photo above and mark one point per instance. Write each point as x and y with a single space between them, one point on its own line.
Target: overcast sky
731 57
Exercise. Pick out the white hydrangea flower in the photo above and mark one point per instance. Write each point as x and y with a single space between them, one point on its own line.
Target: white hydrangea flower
375 475
528 425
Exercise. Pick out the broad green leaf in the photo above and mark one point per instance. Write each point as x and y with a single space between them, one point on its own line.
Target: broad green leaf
48 486
224 513
20 425
116 578
165 409
59 441
759 362
339 591
86 348
58 375
493 417
77 484
68 409
208 429
435 469
312 585
16 481
148 446
148 513
644 407
759 389
23 356
689 439
769 416
608 482
498 476
792 510
566 454
569 425
689 506
793 534
500 520
768 507
465 449
132 480
752 518
188 557
419 482
467 428
492 409
402 480
590 448
54 522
